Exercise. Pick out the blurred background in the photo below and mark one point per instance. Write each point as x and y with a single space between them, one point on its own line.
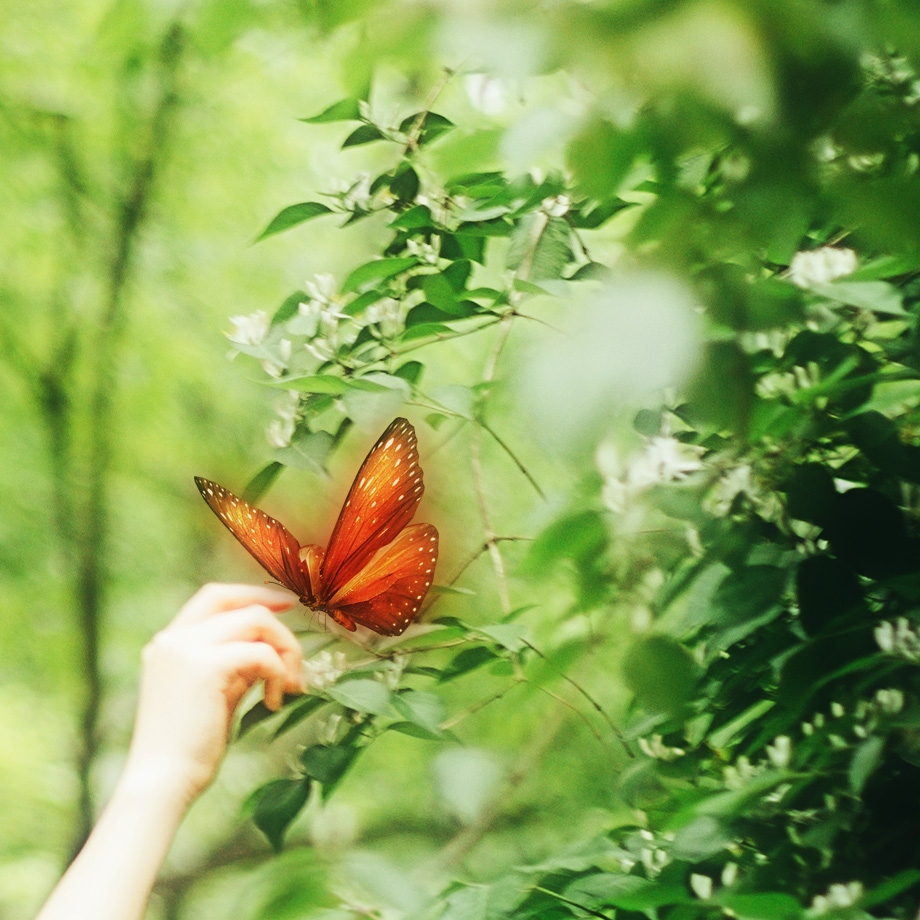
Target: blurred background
146 145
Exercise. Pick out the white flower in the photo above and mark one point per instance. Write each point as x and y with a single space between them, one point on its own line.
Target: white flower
249 330
279 432
320 349
654 747
486 93
388 313
899 639
323 669
662 459
837 710
322 288
821 266
729 874
558 206
701 885
890 700
428 253
837 896
780 751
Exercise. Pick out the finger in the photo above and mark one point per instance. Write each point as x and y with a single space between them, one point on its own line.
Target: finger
216 598
249 662
254 624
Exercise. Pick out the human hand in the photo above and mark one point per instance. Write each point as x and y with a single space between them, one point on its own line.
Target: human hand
196 671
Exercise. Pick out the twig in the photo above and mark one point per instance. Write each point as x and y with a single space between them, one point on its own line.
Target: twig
477 553
478 479
587 696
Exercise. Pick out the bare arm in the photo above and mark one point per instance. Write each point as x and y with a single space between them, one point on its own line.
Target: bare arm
196 671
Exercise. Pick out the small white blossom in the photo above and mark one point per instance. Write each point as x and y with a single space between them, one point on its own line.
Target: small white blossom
701 885
899 639
780 752
729 874
486 93
249 330
820 266
322 288
279 432
837 896
329 729
890 700
429 253
837 710
388 313
320 348
557 206
323 669
391 673
654 747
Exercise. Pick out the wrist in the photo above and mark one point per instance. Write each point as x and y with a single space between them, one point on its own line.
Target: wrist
171 784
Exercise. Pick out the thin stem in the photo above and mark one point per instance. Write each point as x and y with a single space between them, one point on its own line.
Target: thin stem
498 562
588 697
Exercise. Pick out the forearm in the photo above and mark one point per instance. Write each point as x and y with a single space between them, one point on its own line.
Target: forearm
113 874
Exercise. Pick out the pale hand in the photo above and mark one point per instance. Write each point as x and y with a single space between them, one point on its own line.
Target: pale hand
196 671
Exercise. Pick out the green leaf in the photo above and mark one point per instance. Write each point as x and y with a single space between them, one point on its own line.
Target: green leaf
293 215
308 450
411 372
423 710
276 804
540 248
866 760
372 273
431 126
362 695
346 109
261 482
327 764
302 709
763 905
890 888
661 674
459 400
467 660
628 892
365 134
509 635
414 218
879 296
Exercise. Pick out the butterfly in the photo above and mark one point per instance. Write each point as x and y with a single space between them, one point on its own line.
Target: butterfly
377 567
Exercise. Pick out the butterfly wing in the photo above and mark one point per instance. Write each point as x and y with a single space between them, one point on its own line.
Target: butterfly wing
381 501
387 594
267 540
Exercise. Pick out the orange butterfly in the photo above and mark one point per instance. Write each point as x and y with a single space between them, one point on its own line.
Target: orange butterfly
376 570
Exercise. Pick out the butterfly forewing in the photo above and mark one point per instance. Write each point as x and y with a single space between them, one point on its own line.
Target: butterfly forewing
387 595
269 542
381 501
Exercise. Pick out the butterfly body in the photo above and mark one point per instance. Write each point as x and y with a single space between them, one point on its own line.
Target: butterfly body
377 567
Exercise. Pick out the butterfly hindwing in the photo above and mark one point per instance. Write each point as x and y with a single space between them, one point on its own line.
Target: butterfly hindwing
387 594
380 503
269 542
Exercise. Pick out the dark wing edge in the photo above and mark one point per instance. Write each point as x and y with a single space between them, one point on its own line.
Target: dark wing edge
361 528
268 541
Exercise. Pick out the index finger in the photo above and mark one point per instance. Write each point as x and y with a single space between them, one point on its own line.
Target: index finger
218 598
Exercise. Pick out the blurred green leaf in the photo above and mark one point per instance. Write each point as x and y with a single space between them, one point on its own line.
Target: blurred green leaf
343 110
293 215
276 804
362 695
